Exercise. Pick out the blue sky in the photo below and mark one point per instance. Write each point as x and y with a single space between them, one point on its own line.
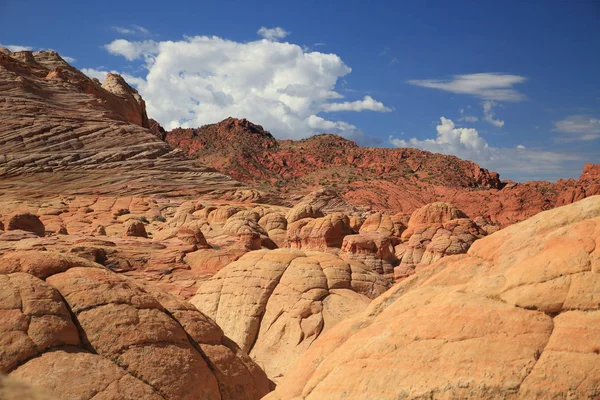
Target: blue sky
512 85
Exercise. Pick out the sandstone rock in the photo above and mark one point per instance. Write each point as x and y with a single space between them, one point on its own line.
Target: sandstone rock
373 249
320 233
356 222
432 233
94 254
515 317
435 213
302 211
275 224
134 228
26 222
274 304
384 224
100 230
192 236
121 211
34 319
85 136
14 389
41 264
138 341
429 243
222 214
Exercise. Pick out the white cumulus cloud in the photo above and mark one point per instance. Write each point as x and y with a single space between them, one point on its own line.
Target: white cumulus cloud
273 34
517 162
201 80
487 86
131 50
367 103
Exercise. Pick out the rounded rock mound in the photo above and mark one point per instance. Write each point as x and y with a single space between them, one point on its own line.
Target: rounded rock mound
275 303
85 332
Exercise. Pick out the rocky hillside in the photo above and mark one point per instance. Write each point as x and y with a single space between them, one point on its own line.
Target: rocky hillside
396 180
63 132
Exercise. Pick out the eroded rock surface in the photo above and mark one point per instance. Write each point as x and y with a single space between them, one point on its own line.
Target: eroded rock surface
517 317
275 303
85 332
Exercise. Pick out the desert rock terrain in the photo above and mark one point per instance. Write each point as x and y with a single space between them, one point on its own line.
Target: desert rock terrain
222 263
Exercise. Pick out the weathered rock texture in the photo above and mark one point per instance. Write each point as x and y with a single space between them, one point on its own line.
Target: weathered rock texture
78 330
518 317
373 249
63 132
26 222
274 304
13 389
434 231
319 233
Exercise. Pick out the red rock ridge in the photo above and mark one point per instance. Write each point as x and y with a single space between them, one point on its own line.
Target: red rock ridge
393 180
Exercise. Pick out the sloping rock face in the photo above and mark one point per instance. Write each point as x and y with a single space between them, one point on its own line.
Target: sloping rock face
62 132
517 317
275 303
78 330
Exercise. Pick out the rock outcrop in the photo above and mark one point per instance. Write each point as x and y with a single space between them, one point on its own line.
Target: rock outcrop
274 304
64 133
78 330
517 317
434 231
373 249
319 233
135 228
26 222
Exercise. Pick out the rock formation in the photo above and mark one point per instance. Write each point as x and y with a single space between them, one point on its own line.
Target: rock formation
275 303
518 317
26 222
78 330
391 180
319 233
62 128
373 249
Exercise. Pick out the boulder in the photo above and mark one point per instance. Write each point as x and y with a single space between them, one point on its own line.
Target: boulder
388 225
191 235
26 222
135 228
275 224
